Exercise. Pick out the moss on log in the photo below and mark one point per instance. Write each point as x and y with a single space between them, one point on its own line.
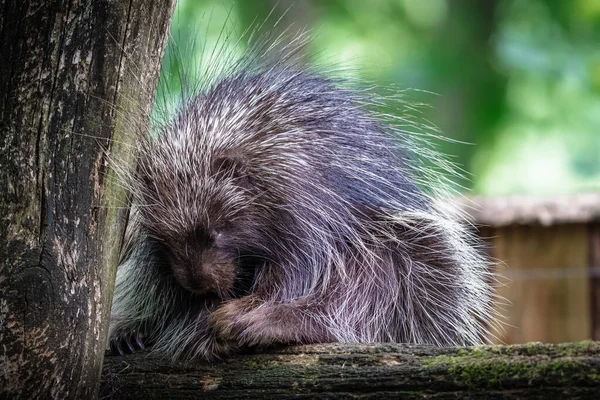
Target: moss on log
374 371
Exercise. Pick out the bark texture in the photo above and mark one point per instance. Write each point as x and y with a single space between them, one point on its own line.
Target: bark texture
76 76
376 371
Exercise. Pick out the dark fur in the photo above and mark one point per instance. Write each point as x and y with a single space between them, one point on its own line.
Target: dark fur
277 208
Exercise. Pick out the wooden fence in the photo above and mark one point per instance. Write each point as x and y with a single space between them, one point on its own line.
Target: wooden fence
549 248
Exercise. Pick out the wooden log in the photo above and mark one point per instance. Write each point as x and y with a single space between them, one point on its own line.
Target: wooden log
70 87
373 371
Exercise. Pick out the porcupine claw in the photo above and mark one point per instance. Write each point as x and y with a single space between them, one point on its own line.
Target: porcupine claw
127 343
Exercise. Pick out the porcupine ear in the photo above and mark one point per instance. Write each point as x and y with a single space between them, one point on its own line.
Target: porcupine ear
233 167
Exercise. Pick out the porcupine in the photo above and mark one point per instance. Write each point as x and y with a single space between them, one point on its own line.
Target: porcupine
278 207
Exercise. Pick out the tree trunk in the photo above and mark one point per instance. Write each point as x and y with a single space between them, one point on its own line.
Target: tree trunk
75 76
384 371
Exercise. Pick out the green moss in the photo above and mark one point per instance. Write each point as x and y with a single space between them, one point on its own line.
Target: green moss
586 347
463 352
534 348
494 366
252 363
594 377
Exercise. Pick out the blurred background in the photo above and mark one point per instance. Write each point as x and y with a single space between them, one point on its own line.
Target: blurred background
515 85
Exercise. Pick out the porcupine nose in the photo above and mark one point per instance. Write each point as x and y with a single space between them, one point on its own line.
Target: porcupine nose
210 274
202 281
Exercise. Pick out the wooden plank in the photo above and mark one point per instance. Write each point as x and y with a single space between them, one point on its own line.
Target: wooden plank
546 281
529 210
594 266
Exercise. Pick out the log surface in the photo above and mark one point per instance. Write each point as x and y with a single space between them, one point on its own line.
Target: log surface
374 371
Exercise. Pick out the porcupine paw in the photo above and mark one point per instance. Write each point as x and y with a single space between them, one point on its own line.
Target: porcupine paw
238 321
127 343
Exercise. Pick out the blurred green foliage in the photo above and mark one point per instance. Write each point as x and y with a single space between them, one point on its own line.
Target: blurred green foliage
519 80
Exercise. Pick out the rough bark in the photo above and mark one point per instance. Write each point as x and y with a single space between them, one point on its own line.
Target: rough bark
377 371
75 77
